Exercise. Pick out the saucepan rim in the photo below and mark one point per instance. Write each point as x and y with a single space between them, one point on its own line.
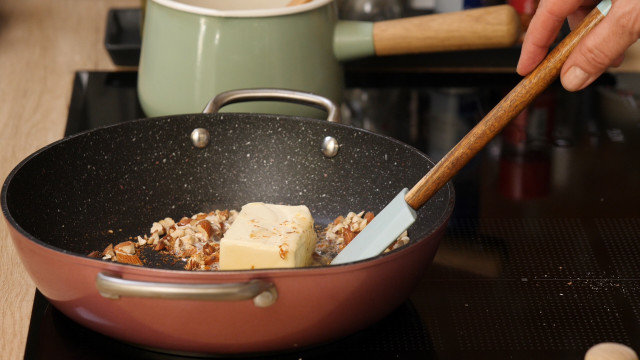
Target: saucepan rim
279 11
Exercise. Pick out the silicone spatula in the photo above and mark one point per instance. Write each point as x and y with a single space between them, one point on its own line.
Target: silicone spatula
400 213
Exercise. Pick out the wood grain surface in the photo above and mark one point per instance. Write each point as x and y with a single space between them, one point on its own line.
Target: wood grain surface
483 28
508 108
42 44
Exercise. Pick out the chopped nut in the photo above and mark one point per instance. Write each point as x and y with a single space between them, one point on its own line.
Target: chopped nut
204 227
109 253
361 225
284 251
188 240
209 260
157 228
178 233
369 217
188 251
192 264
154 239
196 239
348 235
199 216
207 249
178 243
128 259
95 254
126 247
167 223
161 245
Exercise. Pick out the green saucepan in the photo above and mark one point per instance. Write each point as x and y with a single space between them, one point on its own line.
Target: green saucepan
194 49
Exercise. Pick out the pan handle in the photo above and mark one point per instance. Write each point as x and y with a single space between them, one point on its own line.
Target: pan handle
292 96
262 292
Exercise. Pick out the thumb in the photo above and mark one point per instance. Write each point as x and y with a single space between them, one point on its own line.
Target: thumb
605 44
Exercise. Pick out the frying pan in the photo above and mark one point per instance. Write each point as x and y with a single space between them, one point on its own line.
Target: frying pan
81 193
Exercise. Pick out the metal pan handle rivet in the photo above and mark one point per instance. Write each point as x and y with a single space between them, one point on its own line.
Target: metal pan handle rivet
266 298
330 146
200 138
262 292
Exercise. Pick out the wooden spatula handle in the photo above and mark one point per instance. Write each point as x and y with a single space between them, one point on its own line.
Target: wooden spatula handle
512 104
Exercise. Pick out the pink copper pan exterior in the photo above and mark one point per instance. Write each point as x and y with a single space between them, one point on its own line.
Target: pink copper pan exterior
314 305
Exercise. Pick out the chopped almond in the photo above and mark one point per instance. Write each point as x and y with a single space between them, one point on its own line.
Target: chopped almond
369 217
200 216
161 245
127 247
207 249
184 221
204 227
192 264
211 259
196 239
348 235
128 259
108 253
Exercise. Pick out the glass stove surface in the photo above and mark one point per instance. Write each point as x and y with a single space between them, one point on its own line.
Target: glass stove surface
541 257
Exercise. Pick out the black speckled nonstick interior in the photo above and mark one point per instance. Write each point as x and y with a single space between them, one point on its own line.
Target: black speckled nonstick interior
100 187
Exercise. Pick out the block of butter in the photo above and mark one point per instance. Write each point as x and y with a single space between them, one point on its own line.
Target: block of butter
268 236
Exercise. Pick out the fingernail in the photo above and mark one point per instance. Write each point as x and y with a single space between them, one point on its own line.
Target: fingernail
574 79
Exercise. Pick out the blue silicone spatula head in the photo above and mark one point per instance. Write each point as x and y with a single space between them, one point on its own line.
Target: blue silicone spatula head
385 228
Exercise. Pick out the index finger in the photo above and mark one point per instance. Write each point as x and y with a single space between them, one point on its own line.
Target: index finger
544 28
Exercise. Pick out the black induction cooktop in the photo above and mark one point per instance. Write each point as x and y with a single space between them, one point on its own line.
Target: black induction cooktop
542 255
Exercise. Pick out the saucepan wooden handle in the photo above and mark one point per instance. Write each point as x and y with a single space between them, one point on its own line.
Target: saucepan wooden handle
512 104
483 28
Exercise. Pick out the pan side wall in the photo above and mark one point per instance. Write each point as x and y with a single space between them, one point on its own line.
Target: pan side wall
312 307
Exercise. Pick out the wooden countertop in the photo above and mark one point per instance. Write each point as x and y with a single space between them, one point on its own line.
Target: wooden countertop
42 44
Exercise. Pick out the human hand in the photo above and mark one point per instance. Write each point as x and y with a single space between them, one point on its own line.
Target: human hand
604 46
